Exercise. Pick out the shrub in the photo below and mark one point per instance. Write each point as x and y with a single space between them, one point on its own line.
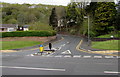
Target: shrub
28 33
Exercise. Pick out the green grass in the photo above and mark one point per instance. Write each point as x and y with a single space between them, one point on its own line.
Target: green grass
108 45
107 36
18 44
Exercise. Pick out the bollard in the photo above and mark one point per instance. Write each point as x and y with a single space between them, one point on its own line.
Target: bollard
50 46
41 49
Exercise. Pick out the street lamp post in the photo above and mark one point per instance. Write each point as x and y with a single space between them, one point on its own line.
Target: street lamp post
88 29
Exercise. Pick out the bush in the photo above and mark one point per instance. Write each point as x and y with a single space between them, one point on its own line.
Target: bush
28 33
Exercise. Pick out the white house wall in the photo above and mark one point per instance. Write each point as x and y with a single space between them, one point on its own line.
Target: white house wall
11 29
26 29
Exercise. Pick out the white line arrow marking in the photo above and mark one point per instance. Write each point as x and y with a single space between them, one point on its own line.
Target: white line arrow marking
66 52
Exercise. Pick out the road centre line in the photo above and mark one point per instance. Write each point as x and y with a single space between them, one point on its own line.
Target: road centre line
31 68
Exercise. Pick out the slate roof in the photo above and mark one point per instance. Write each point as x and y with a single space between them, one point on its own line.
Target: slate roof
26 26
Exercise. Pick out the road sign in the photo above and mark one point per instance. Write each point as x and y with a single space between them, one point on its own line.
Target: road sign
41 48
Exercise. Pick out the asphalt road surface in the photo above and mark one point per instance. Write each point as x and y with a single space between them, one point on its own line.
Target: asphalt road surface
66 60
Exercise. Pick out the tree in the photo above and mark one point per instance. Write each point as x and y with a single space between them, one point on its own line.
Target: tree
75 14
117 23
104 17
12 21
53 21
90 9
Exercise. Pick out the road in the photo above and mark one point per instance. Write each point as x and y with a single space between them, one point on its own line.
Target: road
66 60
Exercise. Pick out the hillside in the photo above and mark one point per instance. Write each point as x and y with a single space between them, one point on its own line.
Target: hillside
26 13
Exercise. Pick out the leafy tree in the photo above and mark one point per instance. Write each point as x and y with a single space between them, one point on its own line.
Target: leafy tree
104 17
117 23
40 26
90 9
75 13
12 21
53 19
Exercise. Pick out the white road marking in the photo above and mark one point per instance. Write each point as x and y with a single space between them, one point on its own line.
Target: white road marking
77 56
117 56
67 56
31 68
68 42
31 55
109 56
49 56
89 50
58 56
86 56
66 52
97 56
59 48
114 72
54 49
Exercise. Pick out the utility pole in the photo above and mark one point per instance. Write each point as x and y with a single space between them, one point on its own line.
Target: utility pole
88 31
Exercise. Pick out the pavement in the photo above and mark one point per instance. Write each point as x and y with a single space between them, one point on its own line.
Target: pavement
68 59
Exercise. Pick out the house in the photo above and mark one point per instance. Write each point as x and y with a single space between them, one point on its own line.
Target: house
8 27
26 27
23 28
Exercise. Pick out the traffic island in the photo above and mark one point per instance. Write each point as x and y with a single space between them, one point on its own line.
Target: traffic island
45 52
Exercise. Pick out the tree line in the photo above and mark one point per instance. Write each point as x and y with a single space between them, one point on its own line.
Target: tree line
104 18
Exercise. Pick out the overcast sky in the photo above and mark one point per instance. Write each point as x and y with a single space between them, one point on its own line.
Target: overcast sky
51 2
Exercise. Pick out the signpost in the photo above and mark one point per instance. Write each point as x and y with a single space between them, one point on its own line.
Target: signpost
41 49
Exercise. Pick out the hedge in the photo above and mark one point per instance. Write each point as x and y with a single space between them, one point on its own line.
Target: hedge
28 33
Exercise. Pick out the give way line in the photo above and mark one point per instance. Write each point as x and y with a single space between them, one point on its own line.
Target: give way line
31 68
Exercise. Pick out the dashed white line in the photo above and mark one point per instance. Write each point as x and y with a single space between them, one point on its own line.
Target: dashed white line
97 56
86 56
49 56
67 56
77 56
58 56
117 56
109 56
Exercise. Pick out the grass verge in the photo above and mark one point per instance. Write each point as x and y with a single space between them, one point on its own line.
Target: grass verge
108 45
17 44
108 36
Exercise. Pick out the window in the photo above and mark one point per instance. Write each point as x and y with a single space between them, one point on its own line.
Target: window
2 29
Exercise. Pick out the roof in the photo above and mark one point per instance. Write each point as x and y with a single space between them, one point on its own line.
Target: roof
26 26
8 25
